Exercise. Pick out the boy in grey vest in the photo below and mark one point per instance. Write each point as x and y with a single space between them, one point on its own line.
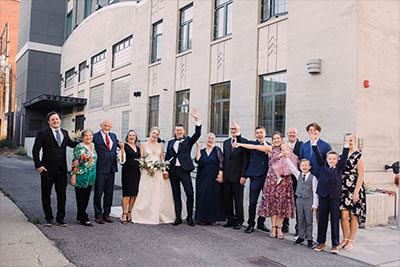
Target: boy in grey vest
307 199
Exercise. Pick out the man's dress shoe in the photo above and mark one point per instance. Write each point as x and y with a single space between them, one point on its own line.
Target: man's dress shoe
249 229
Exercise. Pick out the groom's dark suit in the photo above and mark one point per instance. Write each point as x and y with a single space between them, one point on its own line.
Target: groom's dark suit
180 172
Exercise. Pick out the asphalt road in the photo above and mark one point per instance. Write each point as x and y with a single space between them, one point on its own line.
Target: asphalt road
148 245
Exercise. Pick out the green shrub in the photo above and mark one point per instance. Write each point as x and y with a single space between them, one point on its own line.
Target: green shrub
20 151
8 143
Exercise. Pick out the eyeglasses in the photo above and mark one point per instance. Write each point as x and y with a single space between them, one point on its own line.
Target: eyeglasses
232 129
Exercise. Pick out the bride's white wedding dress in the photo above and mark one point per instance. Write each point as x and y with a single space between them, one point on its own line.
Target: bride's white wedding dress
154 203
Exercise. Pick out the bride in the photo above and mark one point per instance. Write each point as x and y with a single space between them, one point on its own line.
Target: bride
154 203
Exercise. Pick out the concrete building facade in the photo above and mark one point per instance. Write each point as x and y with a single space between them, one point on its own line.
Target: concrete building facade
278 63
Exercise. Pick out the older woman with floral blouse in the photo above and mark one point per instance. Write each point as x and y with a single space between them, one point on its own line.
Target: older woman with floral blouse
84 174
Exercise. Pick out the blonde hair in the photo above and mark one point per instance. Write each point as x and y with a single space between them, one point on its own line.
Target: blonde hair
154 128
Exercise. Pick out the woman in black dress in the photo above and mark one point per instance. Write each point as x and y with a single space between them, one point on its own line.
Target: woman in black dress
130 175
209 194
352 202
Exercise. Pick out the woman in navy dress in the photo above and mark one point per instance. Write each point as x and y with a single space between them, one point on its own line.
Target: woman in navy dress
209 190
130 175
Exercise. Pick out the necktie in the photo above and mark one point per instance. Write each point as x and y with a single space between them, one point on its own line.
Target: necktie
233 141
108 142
332 168
304 177
58 137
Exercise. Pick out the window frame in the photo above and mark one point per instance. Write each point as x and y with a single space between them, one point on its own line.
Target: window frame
225 26
68 25
155 42
212 115
125 43
82 69
273 95
150 110
185 122
69 78
271 11
188 43
93 59
88 8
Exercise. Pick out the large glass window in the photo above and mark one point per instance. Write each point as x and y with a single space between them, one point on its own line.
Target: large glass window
220 101
69 24
98 64
185 28
69 77
272 113
154 106
156 42
273 8
222 18
96 96
122 52
82 71
182 108
88 8
120 91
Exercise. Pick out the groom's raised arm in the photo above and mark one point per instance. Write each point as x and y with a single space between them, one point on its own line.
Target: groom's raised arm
197 131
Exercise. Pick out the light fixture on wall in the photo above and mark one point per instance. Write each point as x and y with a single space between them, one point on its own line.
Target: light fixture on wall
165 89
314 66
137 94
367 83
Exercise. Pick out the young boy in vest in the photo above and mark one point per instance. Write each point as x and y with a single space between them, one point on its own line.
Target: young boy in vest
307 199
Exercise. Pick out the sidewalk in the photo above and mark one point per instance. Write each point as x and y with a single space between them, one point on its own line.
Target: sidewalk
22 243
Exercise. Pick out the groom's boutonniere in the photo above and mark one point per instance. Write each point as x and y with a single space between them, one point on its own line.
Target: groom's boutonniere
182 140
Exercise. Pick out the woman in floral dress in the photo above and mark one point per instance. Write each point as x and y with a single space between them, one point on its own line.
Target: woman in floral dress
352 202
84 174
278 197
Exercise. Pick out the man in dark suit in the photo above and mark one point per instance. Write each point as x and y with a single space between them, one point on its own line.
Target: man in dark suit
235 166
306 151
257 171
53 166
181 165
106 147
295 145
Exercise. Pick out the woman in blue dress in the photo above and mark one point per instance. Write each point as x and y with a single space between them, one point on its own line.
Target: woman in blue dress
209 190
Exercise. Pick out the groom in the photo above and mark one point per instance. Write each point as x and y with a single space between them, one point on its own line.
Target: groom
181 165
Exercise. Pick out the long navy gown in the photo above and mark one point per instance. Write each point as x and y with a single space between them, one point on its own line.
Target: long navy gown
209 193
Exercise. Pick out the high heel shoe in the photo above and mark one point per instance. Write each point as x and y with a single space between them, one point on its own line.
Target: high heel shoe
273 232
343 243
280 235
130 217
123 220
349 245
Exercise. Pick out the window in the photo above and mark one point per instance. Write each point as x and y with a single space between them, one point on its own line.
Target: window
88 8
124 124
120 91
156 42
154 103
182 107
98 63
69 77
222 18
273 8
81 94
185 28
82 71
122 52
272 111
96 96
220 101
69 25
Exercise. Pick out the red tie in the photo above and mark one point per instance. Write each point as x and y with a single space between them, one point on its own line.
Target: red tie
108 142
233 141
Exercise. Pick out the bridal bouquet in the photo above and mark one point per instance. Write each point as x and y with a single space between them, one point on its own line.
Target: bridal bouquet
152 166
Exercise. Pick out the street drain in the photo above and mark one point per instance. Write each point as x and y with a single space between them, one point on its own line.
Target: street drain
263 261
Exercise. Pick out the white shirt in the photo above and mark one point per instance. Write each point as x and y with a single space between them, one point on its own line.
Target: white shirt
292 145
176 145
55 135
104 139
299 174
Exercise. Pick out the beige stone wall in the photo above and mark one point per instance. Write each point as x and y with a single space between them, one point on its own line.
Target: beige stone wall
378 113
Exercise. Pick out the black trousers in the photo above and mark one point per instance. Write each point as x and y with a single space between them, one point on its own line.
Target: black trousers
82 200
286 220
59 179
176 178
233 199
328 206
256 186
104 184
